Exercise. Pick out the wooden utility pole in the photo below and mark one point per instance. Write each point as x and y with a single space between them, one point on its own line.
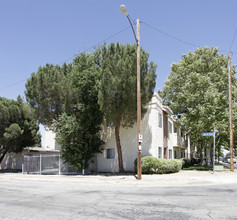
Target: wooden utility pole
139 133
230 111
139 141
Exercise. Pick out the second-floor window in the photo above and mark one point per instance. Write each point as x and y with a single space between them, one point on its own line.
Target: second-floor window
160 120
170 127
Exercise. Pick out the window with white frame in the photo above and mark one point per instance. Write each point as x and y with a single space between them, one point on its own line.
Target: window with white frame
170 154
159 152
160 120
182 154
170 127
110 153
175 154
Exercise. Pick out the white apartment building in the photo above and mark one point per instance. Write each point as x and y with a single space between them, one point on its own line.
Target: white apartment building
162 138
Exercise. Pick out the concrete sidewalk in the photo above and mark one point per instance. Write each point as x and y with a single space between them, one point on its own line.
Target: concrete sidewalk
193 178
176 179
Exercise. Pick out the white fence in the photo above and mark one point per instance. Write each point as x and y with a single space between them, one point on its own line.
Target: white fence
45 164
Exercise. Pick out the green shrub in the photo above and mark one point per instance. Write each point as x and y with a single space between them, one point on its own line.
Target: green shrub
160 166
148 163
195 161
190 162
199 167
186 163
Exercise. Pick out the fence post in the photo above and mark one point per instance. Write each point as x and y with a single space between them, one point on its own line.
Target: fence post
40 164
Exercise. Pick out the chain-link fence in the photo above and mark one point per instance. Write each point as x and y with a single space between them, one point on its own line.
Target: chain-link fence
45 164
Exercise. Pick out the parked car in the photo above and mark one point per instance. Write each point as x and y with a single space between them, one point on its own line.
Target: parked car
228 159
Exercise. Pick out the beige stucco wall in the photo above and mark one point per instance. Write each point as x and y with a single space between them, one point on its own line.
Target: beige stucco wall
152 139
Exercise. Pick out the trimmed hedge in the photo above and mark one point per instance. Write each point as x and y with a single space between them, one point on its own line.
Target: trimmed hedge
152 165
190 162
187 163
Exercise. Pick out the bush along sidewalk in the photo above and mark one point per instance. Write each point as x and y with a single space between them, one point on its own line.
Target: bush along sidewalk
152 165
195 164
190 162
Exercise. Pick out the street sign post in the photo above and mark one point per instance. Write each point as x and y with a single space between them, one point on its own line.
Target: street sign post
207 134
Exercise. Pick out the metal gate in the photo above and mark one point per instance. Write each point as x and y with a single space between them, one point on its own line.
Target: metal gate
41 164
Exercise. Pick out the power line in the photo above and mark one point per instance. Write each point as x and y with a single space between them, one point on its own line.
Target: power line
12 85
180 40
233 40
89 48
103 41
108 38
170 36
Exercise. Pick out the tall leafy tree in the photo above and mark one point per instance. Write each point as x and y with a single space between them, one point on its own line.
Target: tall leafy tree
18 127
73 91
118 93
78 133
66 100
197 91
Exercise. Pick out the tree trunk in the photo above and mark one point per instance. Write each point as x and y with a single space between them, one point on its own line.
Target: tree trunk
2 156
200 152
119 149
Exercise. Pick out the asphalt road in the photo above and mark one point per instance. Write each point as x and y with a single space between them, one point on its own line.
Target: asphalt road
180 196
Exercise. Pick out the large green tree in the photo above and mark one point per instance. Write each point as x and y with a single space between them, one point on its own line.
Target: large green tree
197 91
118 92
78 133
66 100
18 127
100 82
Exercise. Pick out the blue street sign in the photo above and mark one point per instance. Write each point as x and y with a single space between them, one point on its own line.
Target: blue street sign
207 134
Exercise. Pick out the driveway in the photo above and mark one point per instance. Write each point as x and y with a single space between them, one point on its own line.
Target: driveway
185 195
